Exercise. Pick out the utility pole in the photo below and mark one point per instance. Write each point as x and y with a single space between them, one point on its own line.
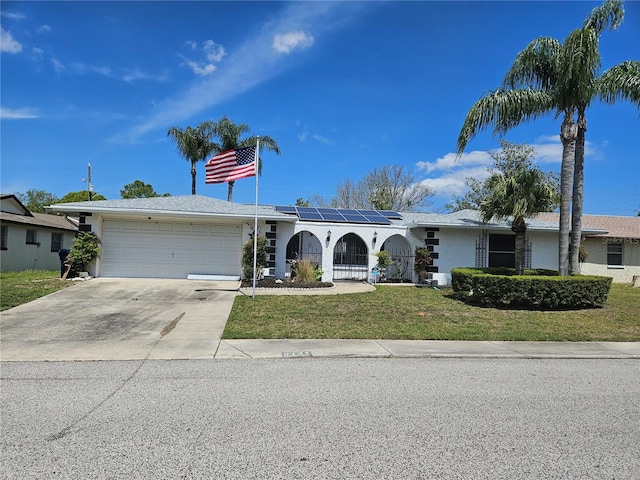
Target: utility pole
89 185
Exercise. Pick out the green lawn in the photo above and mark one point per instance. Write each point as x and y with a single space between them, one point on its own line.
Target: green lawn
395 312
17 288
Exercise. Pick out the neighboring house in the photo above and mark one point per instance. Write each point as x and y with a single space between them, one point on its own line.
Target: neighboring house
615 253
173 237
31 241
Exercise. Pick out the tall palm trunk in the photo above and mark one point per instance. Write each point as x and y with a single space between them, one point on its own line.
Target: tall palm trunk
578 195
230 191
193 177
519 226
568 134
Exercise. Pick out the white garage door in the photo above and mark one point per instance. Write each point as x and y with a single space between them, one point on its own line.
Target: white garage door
150 249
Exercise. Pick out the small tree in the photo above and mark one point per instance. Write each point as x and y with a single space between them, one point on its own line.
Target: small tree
84 251
247 258
421 262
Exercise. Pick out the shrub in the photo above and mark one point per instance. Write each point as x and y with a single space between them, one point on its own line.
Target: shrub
247 258
84 251
305 271
536 289
384 259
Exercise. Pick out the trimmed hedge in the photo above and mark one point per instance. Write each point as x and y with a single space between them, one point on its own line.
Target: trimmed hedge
537 289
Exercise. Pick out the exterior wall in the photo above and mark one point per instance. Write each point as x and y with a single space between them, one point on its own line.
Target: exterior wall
21 256
544 249
319 230
596 263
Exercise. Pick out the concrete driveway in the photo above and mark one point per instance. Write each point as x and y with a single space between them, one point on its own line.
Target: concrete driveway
120 319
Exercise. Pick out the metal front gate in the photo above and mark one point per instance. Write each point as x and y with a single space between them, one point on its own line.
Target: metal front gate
350 259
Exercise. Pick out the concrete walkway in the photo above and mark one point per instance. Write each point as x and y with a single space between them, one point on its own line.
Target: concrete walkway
425 348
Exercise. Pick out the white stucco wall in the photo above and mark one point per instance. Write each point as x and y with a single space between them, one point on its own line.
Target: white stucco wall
21 256
596 263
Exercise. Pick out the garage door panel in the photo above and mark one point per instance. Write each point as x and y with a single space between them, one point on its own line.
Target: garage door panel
169 249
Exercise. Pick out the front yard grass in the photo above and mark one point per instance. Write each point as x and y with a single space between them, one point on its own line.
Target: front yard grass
410 313
17 288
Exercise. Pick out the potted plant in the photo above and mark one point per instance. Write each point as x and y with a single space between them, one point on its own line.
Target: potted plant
421 263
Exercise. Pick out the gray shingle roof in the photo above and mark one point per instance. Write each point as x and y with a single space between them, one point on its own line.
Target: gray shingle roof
187 204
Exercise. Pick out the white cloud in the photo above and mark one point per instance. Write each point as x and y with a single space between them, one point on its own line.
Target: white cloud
452 160
58 66
8 43
250 64
452 183
17 114
449 172
200 69
45 29
213 51
13 16
286 42
213 54
321 139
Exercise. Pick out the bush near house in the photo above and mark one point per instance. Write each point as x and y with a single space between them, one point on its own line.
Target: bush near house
537 289
247 258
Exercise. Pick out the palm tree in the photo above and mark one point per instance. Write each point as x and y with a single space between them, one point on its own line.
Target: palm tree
548 76
228 134
519 194
194 144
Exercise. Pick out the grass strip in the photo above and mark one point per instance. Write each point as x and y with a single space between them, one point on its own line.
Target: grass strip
409 313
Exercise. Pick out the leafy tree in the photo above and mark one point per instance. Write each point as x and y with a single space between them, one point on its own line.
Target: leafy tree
36 200
387 188
139 189
228 135
80 196
194 144
549 76
262 257
509 159
520 193
300 202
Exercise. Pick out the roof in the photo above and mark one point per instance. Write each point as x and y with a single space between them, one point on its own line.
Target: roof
473 219
187 205
40 220
612 226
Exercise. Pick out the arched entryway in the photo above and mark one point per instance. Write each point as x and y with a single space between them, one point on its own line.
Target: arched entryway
350 258
402 256
303 246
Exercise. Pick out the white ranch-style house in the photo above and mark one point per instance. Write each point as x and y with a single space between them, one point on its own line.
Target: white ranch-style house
178 237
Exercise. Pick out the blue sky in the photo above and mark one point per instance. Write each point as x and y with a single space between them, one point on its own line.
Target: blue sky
342 86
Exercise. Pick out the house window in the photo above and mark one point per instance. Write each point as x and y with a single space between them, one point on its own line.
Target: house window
56 241
3 237
32 236
502 250
614 254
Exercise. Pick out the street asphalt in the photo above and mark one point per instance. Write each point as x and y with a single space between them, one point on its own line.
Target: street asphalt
144 319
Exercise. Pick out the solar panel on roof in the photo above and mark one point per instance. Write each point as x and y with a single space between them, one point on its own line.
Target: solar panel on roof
377 219
286 209
333 216
391 214
309 215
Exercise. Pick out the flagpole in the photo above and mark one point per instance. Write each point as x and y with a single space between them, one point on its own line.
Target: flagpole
255 222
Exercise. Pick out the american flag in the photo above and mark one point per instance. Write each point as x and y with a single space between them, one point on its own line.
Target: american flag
231 165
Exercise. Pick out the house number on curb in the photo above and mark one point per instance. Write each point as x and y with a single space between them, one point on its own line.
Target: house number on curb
296 354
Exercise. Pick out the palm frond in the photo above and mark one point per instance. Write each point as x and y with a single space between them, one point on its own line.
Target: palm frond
621 82
535 66
609 15
503 109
